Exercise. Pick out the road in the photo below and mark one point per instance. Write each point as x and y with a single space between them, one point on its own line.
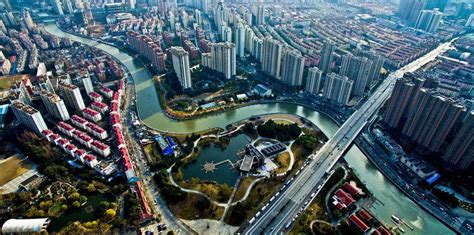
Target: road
295 195
146 177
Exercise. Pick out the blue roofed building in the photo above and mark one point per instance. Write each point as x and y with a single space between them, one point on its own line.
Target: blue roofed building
166 147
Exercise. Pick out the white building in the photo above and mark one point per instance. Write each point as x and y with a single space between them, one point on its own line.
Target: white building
72 96
29 116
55 105
222 58
313 80
292 67
271 57
181 66
338 88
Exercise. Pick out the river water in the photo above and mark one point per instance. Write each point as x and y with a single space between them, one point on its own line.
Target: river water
149 111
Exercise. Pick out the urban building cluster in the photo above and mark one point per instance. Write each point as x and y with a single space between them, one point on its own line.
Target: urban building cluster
436 123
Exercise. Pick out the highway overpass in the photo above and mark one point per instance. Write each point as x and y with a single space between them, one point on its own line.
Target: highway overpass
295 195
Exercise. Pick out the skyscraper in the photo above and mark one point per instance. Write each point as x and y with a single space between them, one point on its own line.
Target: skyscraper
28 20
260 16
222 58
429 20
57 6
410 9
181 66
72 96
377 64
326 57
29 116
249 36
337 88
398 102
313 80
240 39
54 105
460 152
257 48
292 67
271 57
434 116
358 70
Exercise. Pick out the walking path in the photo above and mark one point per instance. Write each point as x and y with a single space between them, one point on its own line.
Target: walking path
328 195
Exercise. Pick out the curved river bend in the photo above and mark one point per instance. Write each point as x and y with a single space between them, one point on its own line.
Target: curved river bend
149 111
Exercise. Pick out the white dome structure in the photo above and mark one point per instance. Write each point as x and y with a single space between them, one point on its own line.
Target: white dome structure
12 226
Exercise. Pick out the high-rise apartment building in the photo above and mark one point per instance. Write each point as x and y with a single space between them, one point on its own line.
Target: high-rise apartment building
326 57
28 20
54 105
257 48
292 67
313 80
398 102
240 39
410 9
29 116
377 64
57 6
181 66
271 56
72 96
260 16
337 88
432 119
358 70
460 152
428 20
222 58
149 47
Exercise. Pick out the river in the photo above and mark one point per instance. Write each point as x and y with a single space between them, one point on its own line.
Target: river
149 111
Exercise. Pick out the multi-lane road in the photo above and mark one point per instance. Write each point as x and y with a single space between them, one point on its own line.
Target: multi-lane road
298 191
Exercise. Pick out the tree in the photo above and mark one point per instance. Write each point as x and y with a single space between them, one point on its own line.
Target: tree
110 214
91 188
74 196
76 204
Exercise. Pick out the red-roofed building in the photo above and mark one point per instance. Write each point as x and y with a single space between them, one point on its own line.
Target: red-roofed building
95 97
54 138
351 189
47 134
63 142
65 128
361 225
91 114
96 131
100 148
70 148
383 231
344 197
99 107
106 91
340 206
78 121
82 138
80 154
365 215
90 160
